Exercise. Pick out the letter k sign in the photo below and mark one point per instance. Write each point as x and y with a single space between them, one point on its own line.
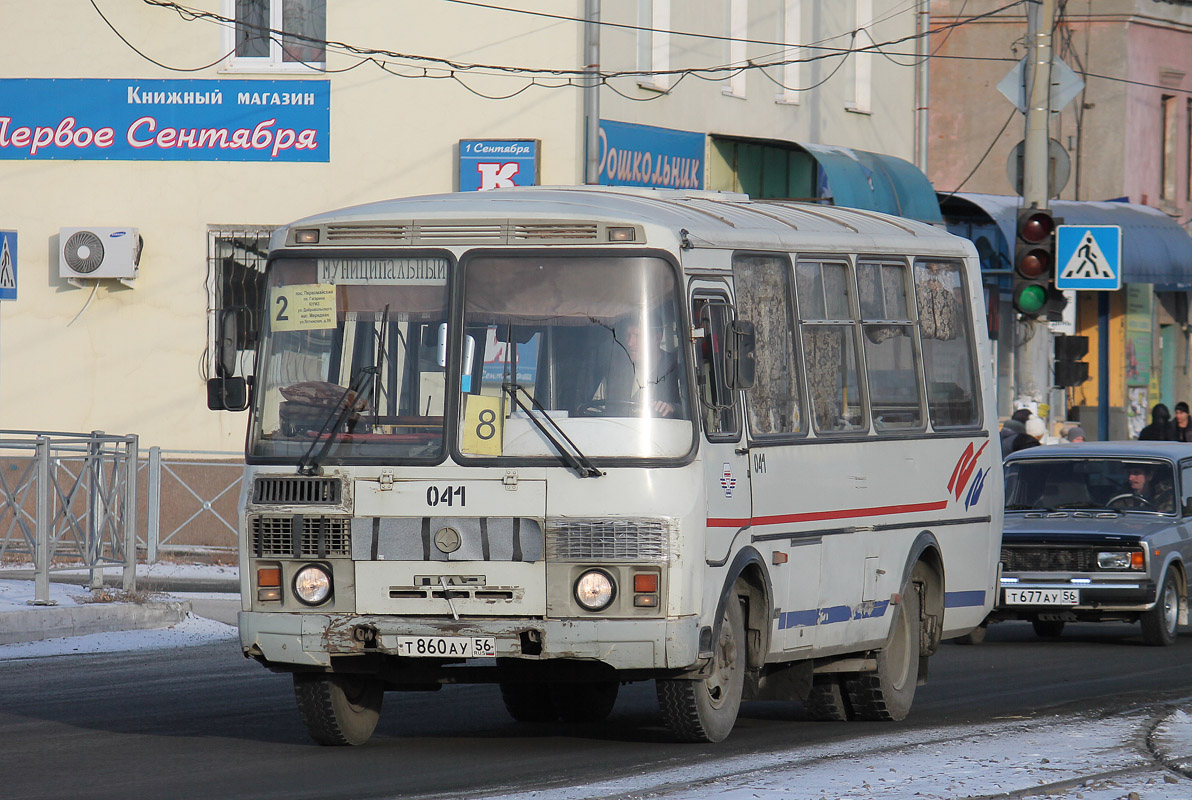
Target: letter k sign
497 176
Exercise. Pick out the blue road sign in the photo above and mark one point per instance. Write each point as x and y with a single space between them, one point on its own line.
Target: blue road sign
8 265
1088 257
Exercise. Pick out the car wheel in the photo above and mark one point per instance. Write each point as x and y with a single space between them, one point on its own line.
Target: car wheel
1159 624
1048 628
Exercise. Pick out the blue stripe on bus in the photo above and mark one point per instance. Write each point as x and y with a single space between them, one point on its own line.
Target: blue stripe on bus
964 599
829 616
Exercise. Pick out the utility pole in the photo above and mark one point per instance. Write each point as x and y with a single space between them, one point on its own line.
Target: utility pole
592 92
1033 345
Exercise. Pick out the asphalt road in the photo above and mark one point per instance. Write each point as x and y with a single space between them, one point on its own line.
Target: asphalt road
205 723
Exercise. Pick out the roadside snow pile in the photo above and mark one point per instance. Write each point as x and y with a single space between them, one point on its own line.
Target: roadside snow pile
193 630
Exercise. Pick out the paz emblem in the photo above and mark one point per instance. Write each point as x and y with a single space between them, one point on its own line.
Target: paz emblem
447 540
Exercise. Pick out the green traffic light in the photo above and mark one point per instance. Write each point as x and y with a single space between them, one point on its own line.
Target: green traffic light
1031 299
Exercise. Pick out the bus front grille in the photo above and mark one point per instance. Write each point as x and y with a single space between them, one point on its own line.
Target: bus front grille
626 540
297 491
273 536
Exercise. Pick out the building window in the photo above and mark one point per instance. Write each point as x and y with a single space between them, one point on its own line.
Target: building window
235 282
1167 189
276 35
862 61
653 43
790 33
738 31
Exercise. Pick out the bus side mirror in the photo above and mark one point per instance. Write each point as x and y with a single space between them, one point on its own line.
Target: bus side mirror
739 359
228 394
229 334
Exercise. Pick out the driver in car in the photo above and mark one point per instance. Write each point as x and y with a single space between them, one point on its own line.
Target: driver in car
1144 492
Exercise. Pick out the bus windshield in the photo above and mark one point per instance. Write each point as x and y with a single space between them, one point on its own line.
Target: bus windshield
584 346
352 360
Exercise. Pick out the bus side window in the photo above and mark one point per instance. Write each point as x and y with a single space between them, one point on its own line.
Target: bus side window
830 346
763 291
946 332
717 401
891 368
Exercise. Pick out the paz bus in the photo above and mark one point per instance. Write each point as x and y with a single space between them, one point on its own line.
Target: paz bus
564 439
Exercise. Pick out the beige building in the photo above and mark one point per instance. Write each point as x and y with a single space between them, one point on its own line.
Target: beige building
194 125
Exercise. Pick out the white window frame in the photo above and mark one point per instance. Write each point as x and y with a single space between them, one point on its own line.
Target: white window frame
862 102
653 46
274 62
738 56
790 31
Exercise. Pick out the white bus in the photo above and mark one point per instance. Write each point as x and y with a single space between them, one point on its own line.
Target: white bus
562 439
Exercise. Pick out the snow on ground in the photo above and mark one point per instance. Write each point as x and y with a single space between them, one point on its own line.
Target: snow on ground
193 630
163 570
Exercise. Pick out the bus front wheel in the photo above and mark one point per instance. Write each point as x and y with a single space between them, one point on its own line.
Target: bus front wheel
887 693
705 710
339 709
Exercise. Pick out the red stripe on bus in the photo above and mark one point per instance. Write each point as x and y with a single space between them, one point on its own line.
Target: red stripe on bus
817 516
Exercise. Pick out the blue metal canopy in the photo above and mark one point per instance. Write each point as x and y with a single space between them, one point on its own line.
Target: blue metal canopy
1155 248
876 182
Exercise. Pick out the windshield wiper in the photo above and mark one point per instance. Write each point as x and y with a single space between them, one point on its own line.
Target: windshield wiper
328 431
576 460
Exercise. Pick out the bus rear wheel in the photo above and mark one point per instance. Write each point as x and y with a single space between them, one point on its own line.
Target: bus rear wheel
826 701
705 710
339 709
887 693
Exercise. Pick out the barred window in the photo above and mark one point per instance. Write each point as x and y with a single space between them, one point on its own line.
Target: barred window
235 280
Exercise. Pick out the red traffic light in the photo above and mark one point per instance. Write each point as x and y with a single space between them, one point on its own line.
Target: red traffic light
1035 226
1034 264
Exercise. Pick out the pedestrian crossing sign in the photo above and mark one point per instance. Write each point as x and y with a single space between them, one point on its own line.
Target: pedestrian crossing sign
1088 257
8 265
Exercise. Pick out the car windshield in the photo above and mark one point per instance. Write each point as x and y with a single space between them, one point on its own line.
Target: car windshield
1125 484
578 353
352 360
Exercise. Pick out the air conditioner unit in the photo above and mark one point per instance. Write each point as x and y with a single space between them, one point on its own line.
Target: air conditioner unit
87 253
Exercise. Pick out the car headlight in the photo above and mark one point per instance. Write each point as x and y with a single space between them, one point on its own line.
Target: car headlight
312 584
1120 560
595 590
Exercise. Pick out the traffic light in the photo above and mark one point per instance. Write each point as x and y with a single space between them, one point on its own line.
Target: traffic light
1070 370
1034 263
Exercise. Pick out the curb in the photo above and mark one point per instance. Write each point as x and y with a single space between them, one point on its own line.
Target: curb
1171 742
51 622
150 583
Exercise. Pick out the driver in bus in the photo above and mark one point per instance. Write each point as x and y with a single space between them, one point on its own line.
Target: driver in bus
642 373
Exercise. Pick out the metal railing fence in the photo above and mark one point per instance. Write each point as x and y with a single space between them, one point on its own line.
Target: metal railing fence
69 501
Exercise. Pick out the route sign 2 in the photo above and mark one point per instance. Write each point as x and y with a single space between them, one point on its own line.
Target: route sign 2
1088 257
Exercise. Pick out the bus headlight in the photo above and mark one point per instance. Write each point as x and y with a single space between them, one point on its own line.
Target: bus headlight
595 590
312 585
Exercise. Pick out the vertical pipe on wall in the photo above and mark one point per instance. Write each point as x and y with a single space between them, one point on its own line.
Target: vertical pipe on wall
592 91
922 85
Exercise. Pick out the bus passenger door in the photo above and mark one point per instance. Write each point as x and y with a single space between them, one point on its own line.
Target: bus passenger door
726 461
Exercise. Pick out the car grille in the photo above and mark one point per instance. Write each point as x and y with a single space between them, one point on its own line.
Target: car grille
319 537
1048 559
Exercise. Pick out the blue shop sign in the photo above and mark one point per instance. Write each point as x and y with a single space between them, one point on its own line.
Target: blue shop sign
642 155
497 163
165 120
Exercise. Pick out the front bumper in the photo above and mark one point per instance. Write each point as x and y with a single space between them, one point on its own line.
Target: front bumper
1099 597
310 640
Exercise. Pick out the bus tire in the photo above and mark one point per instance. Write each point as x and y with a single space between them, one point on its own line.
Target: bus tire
1160 623
705 709
528 702
338 709
826 702
584 702
887 693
